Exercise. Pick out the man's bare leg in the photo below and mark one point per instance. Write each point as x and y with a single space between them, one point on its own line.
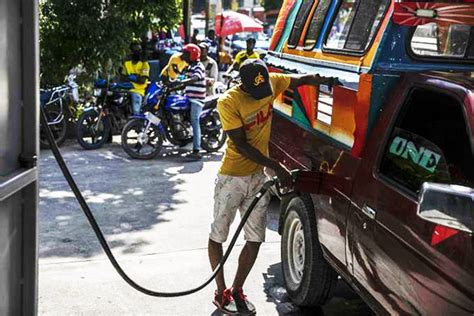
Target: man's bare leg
246 261
215 255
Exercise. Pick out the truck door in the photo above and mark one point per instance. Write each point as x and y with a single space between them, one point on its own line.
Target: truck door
409 265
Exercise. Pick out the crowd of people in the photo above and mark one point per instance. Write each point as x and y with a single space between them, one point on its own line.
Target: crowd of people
196 68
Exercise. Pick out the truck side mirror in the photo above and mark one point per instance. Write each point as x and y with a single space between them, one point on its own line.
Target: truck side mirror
447 205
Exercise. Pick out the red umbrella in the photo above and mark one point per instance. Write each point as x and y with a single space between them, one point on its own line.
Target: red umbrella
234 22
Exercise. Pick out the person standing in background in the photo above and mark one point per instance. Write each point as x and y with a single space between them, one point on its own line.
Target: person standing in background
242 56
211 68
137 71
213 45
195 90
194 39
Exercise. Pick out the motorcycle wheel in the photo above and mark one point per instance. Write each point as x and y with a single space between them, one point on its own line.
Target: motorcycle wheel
138 144
213 136
93 131
59 130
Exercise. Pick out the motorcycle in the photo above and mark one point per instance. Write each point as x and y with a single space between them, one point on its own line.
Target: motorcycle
107 117
167 117
60 104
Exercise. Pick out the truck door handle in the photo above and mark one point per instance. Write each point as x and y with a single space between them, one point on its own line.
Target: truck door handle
370 212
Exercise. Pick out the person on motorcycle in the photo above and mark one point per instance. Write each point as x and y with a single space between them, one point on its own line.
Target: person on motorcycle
242 56
210 65
246 115
175 67
195 90
136 70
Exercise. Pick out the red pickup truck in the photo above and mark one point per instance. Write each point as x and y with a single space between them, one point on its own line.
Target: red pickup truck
388 203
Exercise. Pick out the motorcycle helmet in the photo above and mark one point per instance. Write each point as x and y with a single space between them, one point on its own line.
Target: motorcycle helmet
194 52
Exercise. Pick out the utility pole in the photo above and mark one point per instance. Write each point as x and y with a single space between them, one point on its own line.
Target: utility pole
213 7
187 20
207 14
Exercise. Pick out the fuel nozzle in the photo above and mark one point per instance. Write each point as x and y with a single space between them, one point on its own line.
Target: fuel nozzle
283 191
302 181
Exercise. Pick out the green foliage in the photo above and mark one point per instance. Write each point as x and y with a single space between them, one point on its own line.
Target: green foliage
271 4
91 33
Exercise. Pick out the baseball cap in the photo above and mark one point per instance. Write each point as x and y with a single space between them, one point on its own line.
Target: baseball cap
255 78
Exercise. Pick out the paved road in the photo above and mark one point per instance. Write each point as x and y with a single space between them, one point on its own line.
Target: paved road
155 215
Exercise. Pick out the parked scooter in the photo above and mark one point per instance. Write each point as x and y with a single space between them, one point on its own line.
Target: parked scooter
60 104
167 117
107 116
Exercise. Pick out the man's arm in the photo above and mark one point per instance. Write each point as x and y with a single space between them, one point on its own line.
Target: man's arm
311 80
233 67
214 73
235 64
140 79
144 74
250 152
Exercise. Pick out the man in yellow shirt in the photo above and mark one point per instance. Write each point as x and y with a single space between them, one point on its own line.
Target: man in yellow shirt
242 56
175 67
246 116
137 71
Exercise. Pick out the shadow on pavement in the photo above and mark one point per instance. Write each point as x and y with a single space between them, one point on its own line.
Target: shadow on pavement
344 301
125 196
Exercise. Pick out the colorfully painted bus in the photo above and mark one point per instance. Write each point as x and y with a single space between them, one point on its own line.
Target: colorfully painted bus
390 206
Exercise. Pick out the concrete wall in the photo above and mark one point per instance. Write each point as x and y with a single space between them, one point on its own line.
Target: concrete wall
18 147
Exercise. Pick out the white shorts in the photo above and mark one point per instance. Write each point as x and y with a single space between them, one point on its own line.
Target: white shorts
237 193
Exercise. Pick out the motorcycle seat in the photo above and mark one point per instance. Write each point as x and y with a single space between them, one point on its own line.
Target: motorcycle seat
210 102
121 85
46 94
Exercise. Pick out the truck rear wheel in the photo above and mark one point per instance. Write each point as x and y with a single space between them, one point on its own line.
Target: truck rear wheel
309 279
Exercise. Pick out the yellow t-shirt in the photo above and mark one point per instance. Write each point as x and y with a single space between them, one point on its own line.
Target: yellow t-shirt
175 67
238 109
243 56
141 68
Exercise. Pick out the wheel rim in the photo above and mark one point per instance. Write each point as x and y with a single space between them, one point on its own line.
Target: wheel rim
92 129
213 133
56 129
141 143
296 251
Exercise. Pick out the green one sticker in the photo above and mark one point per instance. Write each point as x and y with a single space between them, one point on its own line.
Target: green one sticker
422 156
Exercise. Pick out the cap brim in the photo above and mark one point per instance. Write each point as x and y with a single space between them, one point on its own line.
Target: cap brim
261 92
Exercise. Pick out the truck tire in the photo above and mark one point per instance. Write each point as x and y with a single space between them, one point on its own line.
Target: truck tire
308 278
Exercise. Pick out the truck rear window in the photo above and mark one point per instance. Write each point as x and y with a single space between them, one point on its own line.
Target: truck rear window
448 41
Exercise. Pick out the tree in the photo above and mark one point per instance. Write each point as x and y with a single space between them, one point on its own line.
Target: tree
271 4
90 33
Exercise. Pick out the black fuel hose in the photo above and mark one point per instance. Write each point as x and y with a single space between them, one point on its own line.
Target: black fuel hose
103 241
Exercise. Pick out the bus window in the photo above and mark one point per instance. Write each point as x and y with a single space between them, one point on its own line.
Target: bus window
356 24
300 21
316 25
434 40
